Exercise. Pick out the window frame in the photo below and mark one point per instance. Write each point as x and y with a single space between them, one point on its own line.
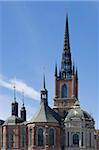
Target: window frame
23 136
76 144
37 143
30 136
54 140
63 88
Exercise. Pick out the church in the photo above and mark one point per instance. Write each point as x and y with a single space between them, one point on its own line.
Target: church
66 126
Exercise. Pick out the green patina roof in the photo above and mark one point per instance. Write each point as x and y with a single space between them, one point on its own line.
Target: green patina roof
13 120
46 114
79 113
75 112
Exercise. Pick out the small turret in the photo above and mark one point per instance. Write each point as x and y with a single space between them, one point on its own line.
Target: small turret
14 104
44 93
23 110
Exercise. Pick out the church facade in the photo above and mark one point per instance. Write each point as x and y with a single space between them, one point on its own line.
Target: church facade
66 126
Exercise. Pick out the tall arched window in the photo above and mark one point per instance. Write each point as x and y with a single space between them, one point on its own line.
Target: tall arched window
40 137
30 137
23 137
51 137
11 139
76 139
64 90
90 139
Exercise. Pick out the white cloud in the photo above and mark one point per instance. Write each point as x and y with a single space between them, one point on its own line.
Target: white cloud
5 110
20 85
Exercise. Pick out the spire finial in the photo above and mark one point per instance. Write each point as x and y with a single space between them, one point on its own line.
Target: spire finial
67 23
66 36
44 86
14 87
23 98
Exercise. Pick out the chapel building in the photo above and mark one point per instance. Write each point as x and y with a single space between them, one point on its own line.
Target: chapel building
66 126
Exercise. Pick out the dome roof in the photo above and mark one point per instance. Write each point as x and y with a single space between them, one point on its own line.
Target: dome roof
13 120
77 112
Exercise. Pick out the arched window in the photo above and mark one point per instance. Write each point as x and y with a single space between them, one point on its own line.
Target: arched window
23 137
76 139
40 137
51 137
11 139
90 139
30 137
64 90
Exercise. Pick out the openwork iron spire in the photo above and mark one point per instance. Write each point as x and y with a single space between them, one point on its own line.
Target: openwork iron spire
66 36
66 63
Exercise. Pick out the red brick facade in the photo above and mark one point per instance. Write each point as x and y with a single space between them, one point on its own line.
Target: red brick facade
63 104
46 127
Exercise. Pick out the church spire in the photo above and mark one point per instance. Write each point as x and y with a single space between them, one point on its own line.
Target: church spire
66 63
66 36
44 93
66 84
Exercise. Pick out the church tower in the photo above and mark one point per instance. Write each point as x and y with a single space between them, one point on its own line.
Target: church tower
66 80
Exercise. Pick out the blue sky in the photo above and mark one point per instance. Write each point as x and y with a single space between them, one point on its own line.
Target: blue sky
31 42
